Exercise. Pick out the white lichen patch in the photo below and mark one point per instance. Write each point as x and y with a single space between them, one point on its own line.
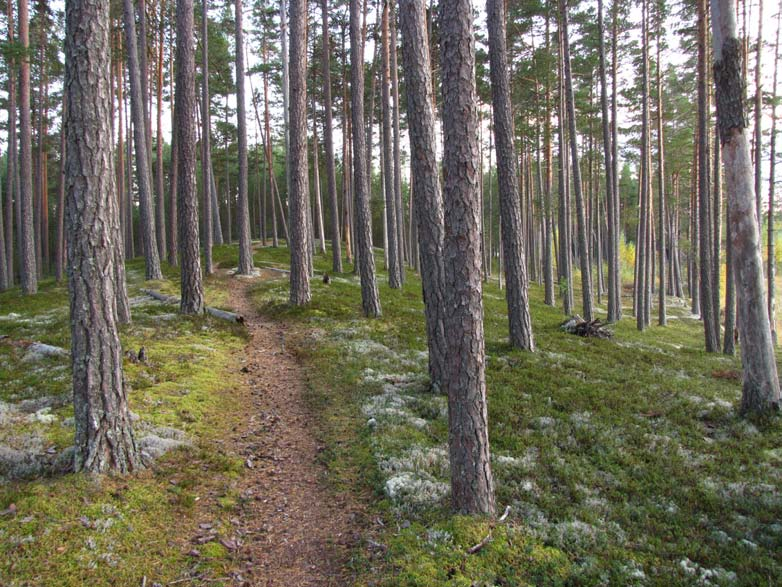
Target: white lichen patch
418 459
705 576
414 490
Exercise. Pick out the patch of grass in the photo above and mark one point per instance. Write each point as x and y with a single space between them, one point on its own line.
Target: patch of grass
75 530
623 460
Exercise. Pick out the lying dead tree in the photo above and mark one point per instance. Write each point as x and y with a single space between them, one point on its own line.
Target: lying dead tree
580 327
217 313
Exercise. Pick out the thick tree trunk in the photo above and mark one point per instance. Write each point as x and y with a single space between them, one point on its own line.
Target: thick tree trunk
760 393
370 298
137 103
243 202
328 137
104 439
515 267
472 485
187 192
392 234
27 266
583 247
428 199
299 194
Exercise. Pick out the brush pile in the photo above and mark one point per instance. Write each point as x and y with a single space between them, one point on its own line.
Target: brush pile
580 327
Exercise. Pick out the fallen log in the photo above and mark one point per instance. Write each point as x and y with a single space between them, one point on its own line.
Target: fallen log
580 327
216 312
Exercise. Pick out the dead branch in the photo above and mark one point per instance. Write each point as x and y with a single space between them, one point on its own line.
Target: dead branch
488 538
216 312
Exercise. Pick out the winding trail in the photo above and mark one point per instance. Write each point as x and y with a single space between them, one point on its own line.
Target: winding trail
297 531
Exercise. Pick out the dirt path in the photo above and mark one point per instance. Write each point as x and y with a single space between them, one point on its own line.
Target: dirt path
297 532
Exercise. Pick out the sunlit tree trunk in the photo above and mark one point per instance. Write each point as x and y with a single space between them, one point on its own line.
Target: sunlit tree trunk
760 390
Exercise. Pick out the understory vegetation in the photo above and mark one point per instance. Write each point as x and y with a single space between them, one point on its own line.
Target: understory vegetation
70 529
623 461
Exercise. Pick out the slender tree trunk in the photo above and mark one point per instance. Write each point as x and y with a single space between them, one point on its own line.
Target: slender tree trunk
137 102
472 485
27 267
428 200
316 181
104 439
515 267
192 301
59 261
297 154
760 391
758 116
549 254
366 258
771 254
586 280
331 176
704 193
614 303
12 169
285 97
160 209
617 268
243 202
661 212
206 140
173 188
400 215
392 234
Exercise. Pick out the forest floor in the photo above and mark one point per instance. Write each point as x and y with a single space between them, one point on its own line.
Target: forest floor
307 447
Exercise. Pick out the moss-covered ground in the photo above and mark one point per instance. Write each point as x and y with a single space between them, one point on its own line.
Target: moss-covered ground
624 461
69 530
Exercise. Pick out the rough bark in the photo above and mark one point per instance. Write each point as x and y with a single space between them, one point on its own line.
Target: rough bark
370 299
328 138
143 176
515 263
27 266
428 201
760 390
243 201
11 185
472 484
187 192
297 154
104 438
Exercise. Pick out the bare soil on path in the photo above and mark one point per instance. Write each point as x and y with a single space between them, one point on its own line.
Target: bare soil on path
296 531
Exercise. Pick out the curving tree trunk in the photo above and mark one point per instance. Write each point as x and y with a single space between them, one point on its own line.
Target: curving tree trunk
299 195
428 200
515 263
328 138
27 266
464 380
760 390
370 299
104 438
143 176
243 202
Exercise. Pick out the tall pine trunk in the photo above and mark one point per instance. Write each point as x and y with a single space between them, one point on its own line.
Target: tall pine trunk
104 438
370 298
243 201
472 484
515 266
27 265
299 194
